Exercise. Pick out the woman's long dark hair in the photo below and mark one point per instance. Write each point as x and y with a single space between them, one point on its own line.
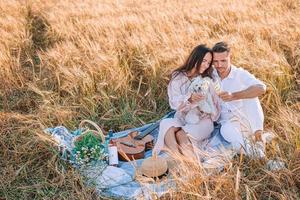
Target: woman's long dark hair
194 60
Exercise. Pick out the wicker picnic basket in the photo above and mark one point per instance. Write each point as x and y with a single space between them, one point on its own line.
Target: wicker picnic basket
86 125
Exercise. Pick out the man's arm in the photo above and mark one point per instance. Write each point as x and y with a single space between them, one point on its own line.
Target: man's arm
251 92
255 88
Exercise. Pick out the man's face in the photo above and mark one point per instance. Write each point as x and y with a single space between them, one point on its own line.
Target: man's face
222 63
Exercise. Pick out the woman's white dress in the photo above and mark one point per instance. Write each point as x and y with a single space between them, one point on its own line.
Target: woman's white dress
179 94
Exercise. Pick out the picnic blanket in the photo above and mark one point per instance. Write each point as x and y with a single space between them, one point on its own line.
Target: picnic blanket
119 182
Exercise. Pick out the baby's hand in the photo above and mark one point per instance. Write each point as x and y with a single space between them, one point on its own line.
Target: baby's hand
196 97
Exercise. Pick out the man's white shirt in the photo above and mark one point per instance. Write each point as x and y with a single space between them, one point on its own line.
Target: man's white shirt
249 111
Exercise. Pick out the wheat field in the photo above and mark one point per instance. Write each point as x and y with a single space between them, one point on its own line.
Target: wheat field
109 61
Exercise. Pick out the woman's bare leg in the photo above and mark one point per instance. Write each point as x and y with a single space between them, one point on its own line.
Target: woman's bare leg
185 144
170 139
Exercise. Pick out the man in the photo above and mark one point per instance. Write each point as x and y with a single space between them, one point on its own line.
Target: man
241 113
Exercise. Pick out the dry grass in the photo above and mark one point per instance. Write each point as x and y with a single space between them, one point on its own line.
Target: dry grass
109 61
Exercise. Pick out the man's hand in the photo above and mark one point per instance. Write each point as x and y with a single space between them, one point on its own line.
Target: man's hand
226 96
196 97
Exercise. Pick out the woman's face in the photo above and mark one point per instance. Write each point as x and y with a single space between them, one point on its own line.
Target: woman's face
205 63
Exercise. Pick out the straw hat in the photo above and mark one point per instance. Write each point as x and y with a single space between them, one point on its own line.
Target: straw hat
154 166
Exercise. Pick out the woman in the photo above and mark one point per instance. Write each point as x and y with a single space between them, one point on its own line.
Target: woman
173 131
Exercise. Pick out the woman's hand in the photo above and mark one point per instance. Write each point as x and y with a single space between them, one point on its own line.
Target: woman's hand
196 97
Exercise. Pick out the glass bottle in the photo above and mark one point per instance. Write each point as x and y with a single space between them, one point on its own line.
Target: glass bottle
112 150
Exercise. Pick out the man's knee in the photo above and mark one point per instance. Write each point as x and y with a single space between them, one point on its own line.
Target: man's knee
231 133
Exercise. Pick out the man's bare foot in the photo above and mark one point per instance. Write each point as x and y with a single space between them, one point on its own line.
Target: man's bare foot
258 136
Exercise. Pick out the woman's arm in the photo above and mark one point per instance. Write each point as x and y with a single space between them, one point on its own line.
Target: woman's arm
179 98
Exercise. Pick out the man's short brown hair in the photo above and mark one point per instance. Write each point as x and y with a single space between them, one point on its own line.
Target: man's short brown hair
221 47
